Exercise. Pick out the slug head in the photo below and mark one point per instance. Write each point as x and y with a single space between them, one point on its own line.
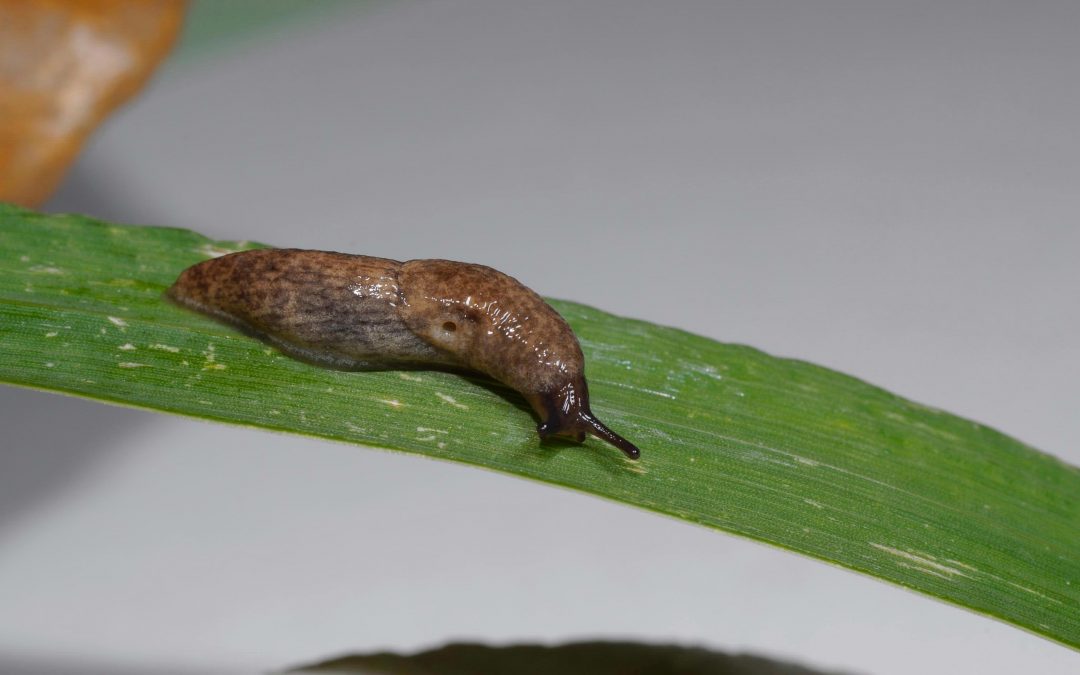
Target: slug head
565 413
491 323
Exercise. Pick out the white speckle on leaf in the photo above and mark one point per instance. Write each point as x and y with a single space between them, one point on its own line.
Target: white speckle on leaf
425 438
410 377
393 403
49 364
441 445
1035 592
51 334
46 269
126 347
210 357
770 456
131 364
806 460
811 502
425 430
643 389
922 562
964 565
165 348
450 399
704 369
24 258
118 322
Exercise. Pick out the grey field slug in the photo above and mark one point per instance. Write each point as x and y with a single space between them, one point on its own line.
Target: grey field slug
362 312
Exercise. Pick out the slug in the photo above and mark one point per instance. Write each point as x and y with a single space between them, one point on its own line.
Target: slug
362 312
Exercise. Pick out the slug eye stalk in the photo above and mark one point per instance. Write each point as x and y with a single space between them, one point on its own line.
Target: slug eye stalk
600 430
587 424
565 413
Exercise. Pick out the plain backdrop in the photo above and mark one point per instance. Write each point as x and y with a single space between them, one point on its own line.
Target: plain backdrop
886 188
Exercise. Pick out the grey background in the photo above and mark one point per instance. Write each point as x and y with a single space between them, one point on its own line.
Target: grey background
889 189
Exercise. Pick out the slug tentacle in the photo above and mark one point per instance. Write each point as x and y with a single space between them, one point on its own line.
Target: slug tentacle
565 413
600 430
360 311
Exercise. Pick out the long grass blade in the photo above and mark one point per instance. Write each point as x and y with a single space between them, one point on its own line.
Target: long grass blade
773 449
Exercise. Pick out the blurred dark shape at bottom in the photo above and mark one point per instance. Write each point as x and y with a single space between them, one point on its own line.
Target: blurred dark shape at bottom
592 658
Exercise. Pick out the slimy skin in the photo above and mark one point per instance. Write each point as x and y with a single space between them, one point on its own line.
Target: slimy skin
355 311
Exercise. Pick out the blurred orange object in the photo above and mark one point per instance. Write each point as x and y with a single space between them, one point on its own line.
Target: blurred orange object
64 66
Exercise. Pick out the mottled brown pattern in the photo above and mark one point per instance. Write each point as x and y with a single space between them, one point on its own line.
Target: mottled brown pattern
500 327
320 306
360 311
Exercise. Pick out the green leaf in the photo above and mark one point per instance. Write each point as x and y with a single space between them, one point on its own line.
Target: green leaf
777 450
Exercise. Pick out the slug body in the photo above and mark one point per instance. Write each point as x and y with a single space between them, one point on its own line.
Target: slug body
355 311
